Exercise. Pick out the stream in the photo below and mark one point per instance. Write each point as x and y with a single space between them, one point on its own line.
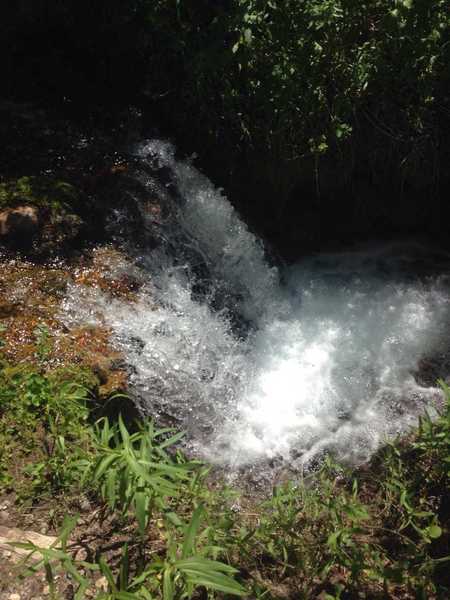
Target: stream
264 364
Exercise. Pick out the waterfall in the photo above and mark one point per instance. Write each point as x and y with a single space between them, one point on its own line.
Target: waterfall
259 363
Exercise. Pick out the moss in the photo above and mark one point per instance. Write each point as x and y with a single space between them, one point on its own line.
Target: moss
33 334
62 210
79 375
42 192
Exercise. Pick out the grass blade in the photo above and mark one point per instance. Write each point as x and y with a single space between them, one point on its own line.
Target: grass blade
191 533
141 503
216 581
168 588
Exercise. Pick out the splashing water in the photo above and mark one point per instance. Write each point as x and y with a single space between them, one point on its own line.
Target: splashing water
322 362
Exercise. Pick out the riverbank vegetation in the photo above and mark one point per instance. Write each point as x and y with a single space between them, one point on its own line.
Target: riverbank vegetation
333 112
288 77
327 122
379 531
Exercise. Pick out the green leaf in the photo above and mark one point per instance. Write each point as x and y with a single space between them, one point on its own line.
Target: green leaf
124 568
168 590
174 519
191 533
434 531
216 581
68 526
172 440
124 432
49 577
178 471
144 593
105 431
141 502
104 464
197 563
47 553
332 540
136 468
106 571
110 488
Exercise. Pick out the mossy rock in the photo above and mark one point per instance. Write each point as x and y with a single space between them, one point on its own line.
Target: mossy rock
58 208
41 192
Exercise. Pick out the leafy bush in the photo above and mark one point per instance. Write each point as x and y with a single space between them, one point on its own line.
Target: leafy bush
42 192
381 531
136 470
181 572
286 77
296 77
40 413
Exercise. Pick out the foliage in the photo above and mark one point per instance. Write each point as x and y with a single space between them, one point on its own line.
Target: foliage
381 532
288 101
326 537
285 76
182 571
136 470
42 192
293 78
41 416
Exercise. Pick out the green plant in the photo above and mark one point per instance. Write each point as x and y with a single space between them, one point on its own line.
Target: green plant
135 470
185 568
434 439
43 342
43 424
381 531
43 192
182 570
2 330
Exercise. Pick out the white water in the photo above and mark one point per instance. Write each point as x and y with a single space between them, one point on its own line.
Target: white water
328 358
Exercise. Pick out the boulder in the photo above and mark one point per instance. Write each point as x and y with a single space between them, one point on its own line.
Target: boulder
41 214
430 369
19 223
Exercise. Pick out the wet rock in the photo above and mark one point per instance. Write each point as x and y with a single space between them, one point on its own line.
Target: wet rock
136 344
430 369
19 224
40 214
102 366
8 309
55 283
30 296
60 233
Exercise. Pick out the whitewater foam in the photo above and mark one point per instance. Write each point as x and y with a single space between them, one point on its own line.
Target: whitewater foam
328 358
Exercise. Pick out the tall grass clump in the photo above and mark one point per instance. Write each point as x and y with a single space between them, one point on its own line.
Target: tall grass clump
381 531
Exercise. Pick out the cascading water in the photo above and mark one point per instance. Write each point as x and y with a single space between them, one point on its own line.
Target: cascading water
257 363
